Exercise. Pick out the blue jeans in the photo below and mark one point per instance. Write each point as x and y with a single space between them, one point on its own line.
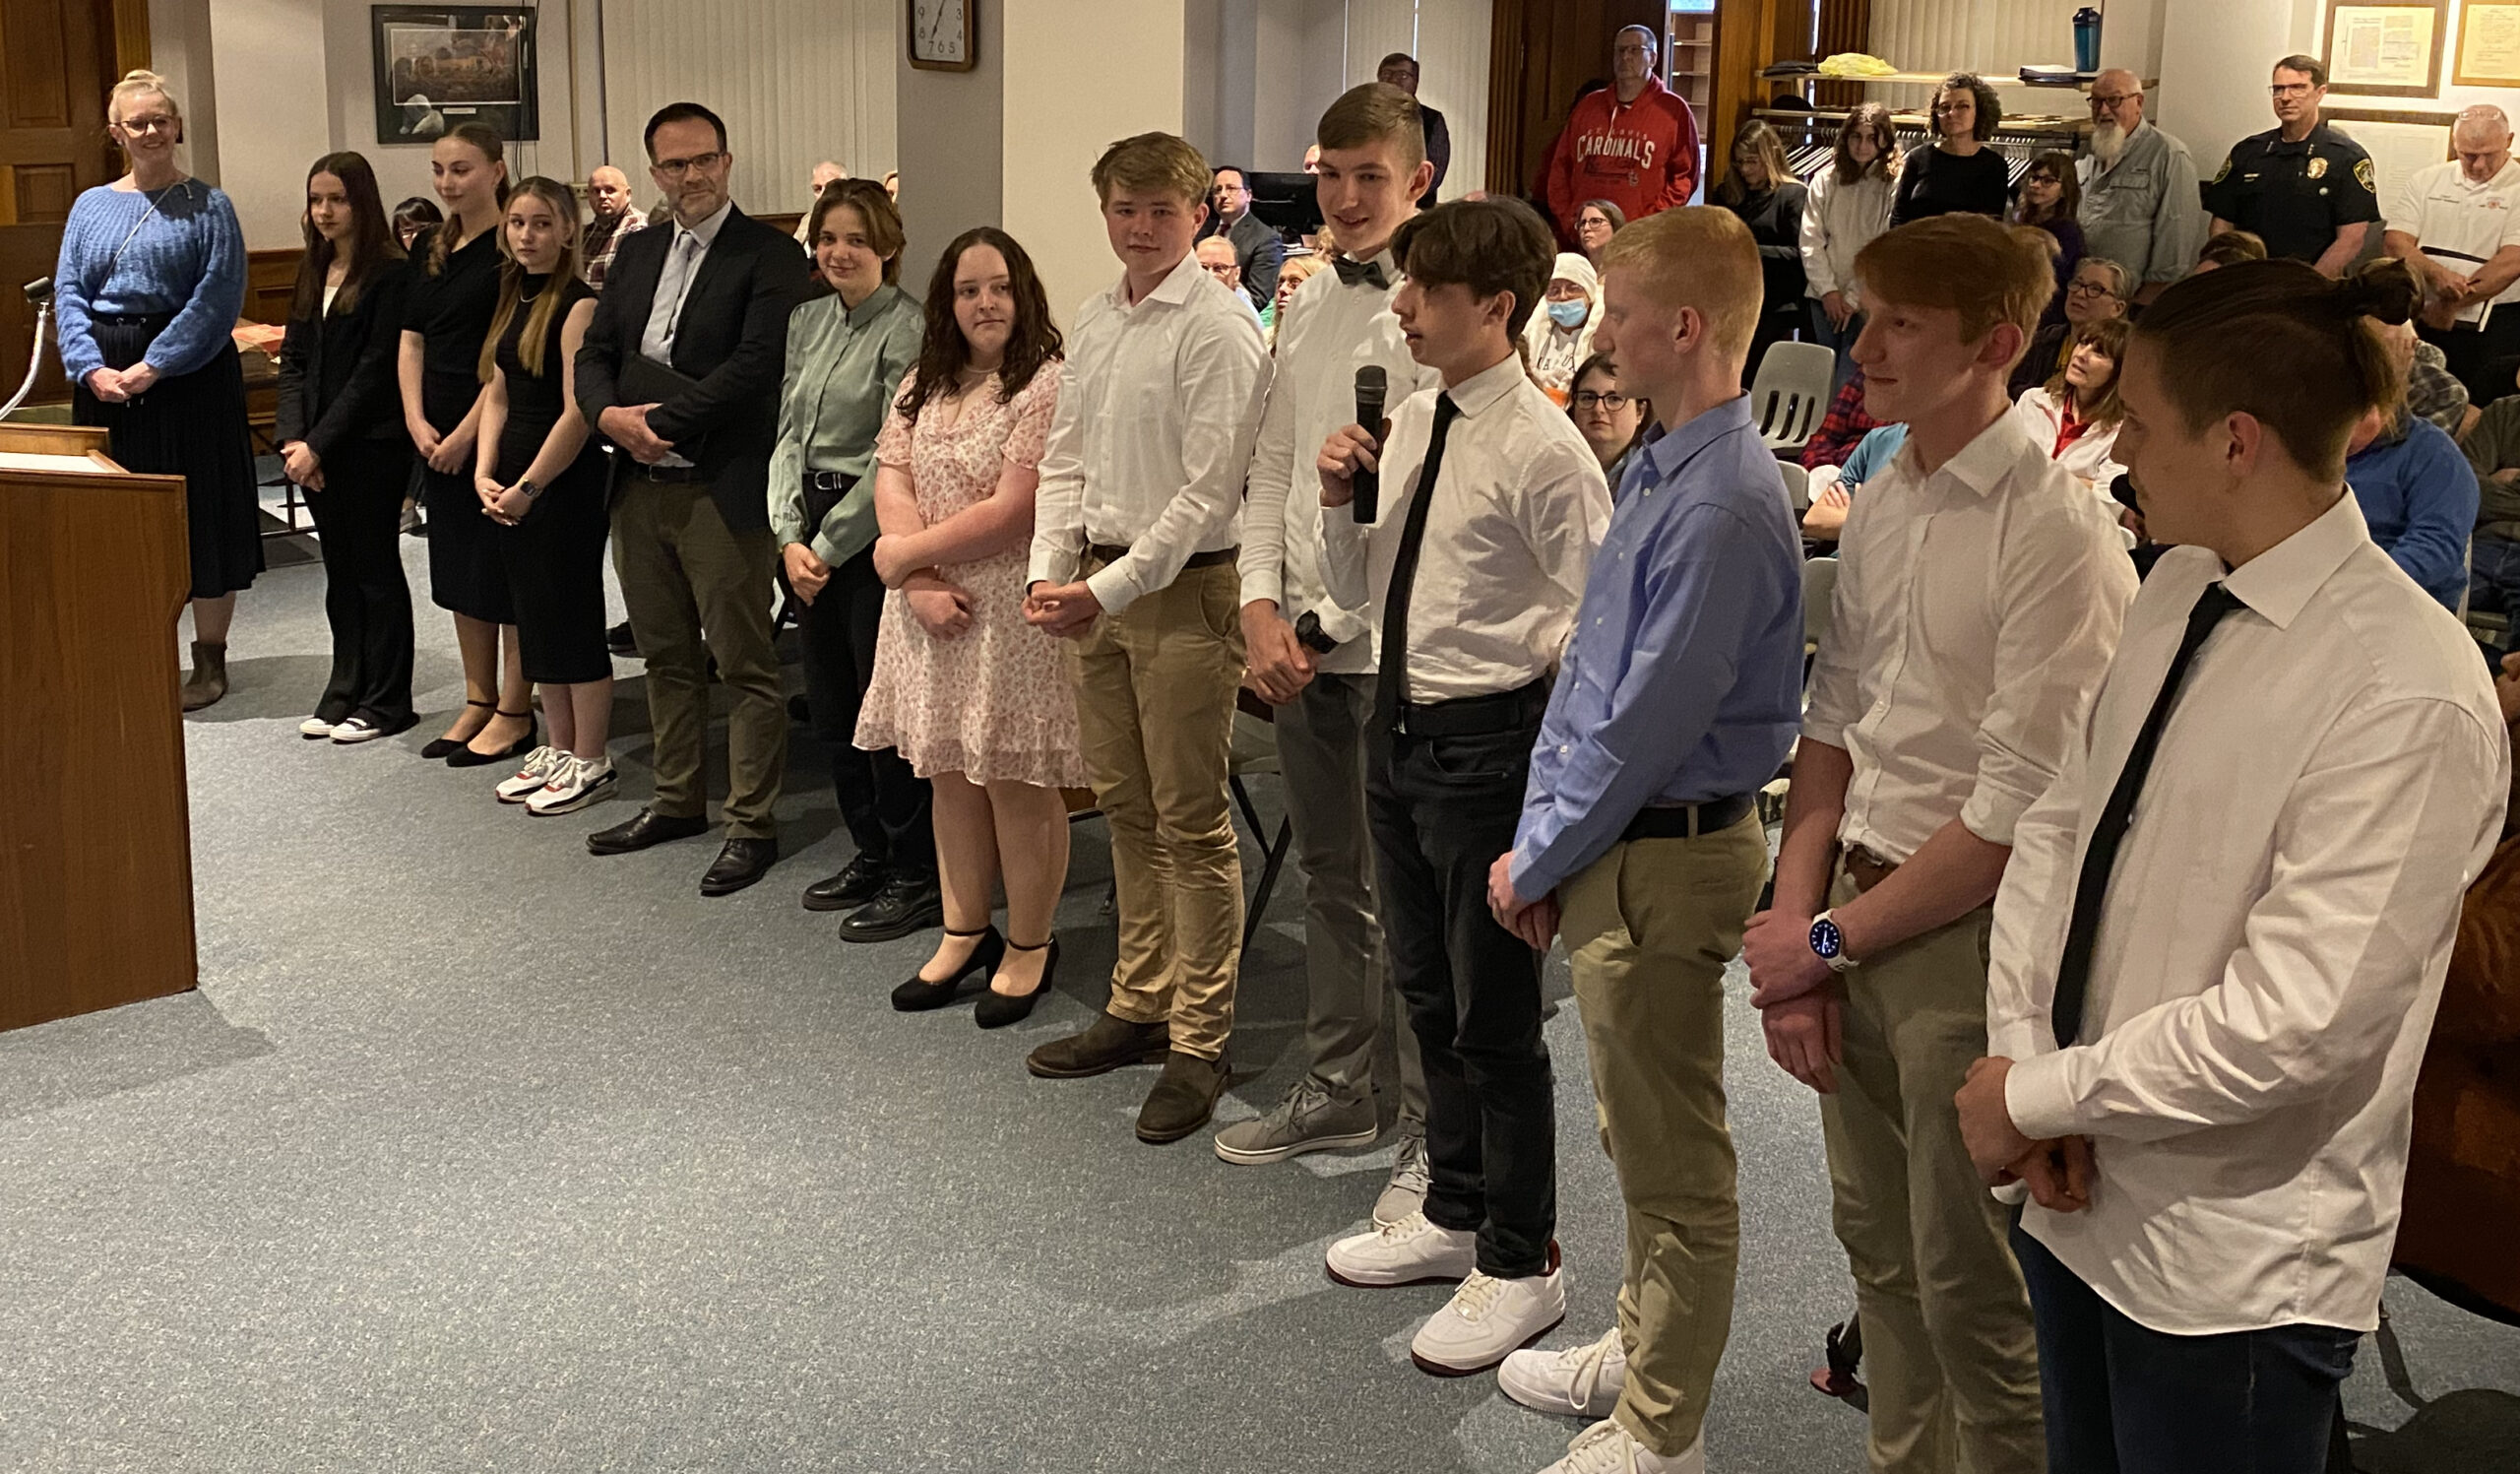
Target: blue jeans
2119 1397
2493 582
1839 340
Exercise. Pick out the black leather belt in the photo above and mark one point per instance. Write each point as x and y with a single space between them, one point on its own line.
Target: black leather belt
1112 553
152 321
829 481
671 476
1688 820
1474 716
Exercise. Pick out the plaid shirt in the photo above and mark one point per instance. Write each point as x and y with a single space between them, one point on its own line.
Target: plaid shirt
1841 429
2433 391
598 260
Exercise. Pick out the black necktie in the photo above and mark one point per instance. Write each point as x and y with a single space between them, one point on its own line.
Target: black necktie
2091 888
1353 272
1392 674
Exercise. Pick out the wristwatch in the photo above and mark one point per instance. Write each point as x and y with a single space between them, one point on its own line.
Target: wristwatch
530 490
1829 944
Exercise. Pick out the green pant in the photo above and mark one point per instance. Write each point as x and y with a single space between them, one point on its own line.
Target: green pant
694 589
1649 926
1950 1359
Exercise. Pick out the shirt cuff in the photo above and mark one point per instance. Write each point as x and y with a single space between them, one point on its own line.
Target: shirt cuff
1993 811
2039 1098
1264 583
1111 588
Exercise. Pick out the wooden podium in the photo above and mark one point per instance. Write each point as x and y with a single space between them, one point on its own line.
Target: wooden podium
96 840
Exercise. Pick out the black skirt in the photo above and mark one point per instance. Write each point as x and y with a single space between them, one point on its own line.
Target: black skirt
553 562
191 425
465 575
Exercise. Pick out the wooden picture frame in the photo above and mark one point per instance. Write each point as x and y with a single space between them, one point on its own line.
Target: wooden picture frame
2385 48
942 35
2489 53
441 65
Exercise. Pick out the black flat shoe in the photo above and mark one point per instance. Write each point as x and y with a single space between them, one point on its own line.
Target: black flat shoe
466 757
906 904
998 1009
854 885
440 748
918 995
646 827
740 864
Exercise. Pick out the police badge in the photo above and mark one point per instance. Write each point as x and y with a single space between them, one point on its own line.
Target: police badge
2319 165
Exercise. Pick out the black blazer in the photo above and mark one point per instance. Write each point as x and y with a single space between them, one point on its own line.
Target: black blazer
732 337
337 383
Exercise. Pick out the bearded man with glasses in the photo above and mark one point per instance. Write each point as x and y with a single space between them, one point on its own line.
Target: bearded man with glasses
2140 203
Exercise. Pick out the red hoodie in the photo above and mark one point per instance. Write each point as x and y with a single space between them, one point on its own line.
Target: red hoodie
1641 156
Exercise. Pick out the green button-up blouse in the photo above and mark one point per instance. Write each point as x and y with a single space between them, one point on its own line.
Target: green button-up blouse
844 365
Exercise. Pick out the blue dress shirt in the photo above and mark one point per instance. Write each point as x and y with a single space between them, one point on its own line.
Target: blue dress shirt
1683 681
2419 494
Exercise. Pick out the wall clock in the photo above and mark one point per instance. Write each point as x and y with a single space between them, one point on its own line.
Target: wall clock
942 36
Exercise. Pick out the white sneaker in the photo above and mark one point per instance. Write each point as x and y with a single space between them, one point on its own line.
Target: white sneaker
576 785
315 729
1607 1448
1405 1192
1580 1382
539 766
355 730
1412 1251
1488 1320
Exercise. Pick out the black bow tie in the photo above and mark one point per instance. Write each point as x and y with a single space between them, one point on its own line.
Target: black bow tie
1353 272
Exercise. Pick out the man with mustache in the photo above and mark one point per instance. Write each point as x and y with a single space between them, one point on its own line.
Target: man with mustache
2140 205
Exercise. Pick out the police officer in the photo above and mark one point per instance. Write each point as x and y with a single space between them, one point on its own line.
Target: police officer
2308 191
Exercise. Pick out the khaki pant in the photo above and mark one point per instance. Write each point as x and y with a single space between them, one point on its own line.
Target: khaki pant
1649 928
1155 715
1949 1354
694 589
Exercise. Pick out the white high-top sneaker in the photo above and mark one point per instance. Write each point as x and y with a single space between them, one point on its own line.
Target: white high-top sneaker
1488 1320
527 781
1580 1382
1607 1448
1412 1251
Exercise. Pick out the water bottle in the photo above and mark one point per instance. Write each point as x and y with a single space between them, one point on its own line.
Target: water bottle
2087 40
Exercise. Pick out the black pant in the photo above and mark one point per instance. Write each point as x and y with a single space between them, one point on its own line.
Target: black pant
884 803
1441 811
2119 1395
2483 358
359 518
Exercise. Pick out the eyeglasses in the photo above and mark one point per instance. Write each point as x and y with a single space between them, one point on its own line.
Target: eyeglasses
2100 103
1611 400
1955 105
2088 289
2043 179
157 124
675 169
2291 90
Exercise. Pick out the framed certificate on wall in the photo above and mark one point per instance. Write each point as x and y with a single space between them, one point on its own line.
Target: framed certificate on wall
2386 48
2489 44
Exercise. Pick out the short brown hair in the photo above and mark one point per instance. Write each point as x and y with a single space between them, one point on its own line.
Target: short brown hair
1987 272
2309 66
1696 256
2231 247
1991 109
1372 114
1486 245
2282 344
1155 162
882 217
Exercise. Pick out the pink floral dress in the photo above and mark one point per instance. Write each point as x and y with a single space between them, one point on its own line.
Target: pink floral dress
994 703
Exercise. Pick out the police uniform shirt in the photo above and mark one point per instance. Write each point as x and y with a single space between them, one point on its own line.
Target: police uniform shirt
2294 195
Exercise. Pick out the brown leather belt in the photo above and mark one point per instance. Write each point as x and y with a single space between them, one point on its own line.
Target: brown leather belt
1110 553
1865 867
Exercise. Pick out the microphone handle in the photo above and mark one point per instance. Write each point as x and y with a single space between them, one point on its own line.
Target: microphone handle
1368 484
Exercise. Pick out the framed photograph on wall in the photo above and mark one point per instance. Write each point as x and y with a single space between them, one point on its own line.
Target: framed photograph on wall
441 65
2386 48
2489 44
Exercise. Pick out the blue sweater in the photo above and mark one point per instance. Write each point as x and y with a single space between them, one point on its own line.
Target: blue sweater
188 259
2419 494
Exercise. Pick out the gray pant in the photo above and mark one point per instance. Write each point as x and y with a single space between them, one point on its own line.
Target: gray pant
1351 1011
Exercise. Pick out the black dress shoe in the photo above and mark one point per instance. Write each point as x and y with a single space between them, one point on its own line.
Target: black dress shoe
918 995
998 1009
854 885
740 864
438 747
649 828
621 641
906 904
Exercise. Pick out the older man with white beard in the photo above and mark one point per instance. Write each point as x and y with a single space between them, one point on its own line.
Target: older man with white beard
2140 203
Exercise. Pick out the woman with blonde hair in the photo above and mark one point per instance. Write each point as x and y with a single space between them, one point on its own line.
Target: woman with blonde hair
1292 275
151 277
1849 205
1559 335
1759 188
541 481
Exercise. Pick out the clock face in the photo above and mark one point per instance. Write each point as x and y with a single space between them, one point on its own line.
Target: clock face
937 30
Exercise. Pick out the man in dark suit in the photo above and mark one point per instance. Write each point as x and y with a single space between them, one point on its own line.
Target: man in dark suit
1256 246
1400 70
704 303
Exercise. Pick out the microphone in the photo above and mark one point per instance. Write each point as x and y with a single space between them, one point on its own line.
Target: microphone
39 291
1372 385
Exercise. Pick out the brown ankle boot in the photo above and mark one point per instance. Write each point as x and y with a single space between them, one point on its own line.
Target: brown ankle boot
1107 1043
209 675
1184 1097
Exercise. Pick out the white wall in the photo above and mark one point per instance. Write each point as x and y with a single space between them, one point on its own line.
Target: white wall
268 135
952 141
1301 67
180 52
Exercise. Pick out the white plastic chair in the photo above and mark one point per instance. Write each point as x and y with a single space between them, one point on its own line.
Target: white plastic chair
1791 392
1819 596
1798 487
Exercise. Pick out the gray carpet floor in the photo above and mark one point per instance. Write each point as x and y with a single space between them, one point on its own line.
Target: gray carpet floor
475 1152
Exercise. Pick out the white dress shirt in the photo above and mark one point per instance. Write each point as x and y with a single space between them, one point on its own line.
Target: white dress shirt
683 255
1520 506
1976 611
2460 224
2331 778
1331 330
2089 460
1158 404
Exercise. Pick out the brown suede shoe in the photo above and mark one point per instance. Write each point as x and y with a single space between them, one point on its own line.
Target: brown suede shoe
1182 1099
1106 1045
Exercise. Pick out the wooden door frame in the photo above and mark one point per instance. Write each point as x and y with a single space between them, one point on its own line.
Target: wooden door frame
131 35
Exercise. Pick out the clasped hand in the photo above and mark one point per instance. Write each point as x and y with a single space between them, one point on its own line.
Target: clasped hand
504 506
1275 663
2057 1171
1062 610
121 385
1535 921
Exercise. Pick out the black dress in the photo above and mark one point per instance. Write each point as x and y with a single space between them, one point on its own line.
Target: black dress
1775 219
1932 182
552 559
451 311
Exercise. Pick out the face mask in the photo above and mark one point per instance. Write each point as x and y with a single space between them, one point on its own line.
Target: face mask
1569 315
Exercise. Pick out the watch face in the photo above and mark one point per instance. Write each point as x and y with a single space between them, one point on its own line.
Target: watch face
1825 939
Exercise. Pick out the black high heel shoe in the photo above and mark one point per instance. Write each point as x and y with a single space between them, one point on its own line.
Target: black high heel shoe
998 1009
466 757
918 995
440 748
